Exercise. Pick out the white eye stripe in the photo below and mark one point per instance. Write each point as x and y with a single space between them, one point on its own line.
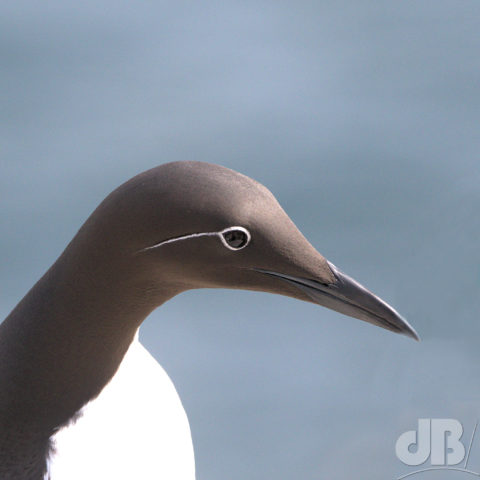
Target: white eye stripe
177 239
206 234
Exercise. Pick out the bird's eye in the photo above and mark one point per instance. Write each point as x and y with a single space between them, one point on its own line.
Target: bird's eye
235 238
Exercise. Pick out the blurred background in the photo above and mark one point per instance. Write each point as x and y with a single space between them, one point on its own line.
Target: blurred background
361 117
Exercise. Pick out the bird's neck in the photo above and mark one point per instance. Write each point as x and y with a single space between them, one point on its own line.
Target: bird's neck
62 344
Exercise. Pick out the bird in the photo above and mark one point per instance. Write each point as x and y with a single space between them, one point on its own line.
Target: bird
80 397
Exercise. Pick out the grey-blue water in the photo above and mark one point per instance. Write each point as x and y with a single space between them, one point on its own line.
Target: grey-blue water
361 117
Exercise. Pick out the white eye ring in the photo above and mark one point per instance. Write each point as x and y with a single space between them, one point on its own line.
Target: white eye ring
244 242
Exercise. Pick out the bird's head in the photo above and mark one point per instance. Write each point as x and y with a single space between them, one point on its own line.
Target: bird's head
197 225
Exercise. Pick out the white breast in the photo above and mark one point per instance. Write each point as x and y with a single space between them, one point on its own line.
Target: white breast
135 429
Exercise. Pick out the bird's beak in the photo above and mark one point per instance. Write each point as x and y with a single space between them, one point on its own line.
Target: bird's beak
347 296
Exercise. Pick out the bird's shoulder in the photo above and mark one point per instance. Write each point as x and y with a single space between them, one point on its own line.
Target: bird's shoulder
137 424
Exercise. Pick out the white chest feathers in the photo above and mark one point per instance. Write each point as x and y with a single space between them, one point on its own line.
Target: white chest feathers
135 429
